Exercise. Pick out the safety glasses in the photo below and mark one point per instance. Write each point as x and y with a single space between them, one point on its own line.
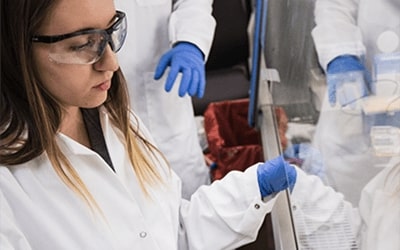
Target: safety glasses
86 46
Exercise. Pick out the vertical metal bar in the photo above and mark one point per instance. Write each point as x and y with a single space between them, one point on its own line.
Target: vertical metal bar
282 218
262 115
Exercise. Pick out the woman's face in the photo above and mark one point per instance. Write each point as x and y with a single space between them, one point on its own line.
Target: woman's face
77 85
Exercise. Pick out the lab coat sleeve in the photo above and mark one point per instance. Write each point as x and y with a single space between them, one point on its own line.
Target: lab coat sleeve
226 214
336 31
11 237
191 21
322 216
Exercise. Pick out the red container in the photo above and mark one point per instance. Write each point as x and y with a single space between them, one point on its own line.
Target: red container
233 144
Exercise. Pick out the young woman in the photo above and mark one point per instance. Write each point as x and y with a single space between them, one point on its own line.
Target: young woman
78 170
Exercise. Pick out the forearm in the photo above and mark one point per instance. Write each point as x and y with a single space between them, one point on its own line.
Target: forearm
322 214
192 21
226 214
336 31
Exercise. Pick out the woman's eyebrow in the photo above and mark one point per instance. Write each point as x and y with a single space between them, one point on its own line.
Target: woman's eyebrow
112 20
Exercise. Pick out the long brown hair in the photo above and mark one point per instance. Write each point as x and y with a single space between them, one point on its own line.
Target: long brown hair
30 116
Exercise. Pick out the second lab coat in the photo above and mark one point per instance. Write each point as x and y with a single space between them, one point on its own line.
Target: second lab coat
153 27
38 211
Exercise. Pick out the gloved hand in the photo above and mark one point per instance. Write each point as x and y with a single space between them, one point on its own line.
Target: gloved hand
347 80
275 175
189 60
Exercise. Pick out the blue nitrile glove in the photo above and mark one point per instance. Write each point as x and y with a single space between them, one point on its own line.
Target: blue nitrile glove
275 175
186 58
347 80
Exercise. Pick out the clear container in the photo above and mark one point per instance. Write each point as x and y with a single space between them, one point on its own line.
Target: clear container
385 140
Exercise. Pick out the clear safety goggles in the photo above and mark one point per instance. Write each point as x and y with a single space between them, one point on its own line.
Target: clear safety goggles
86 46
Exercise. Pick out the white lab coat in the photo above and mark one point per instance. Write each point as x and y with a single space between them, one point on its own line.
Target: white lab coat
153 27
324 220
349 27
38 211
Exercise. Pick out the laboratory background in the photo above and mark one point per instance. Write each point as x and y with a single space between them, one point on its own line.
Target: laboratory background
319 82
291 142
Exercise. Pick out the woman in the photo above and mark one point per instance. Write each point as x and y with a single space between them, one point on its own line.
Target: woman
77 169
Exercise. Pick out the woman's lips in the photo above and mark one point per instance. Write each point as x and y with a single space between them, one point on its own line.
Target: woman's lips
103 86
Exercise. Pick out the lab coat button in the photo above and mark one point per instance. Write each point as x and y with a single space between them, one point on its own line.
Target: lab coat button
143 234
257 206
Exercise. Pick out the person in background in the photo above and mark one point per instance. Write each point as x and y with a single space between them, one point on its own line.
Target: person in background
352 39
78 168
166 48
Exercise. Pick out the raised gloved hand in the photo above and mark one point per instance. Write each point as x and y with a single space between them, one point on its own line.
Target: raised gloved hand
187 59
347 80
275 175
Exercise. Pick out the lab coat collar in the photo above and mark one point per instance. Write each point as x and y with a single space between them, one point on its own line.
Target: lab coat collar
76 148
71 146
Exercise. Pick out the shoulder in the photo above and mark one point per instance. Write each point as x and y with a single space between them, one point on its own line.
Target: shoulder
18 173
9 178
387 180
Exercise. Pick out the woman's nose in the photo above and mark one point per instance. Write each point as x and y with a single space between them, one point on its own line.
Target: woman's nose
108 61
